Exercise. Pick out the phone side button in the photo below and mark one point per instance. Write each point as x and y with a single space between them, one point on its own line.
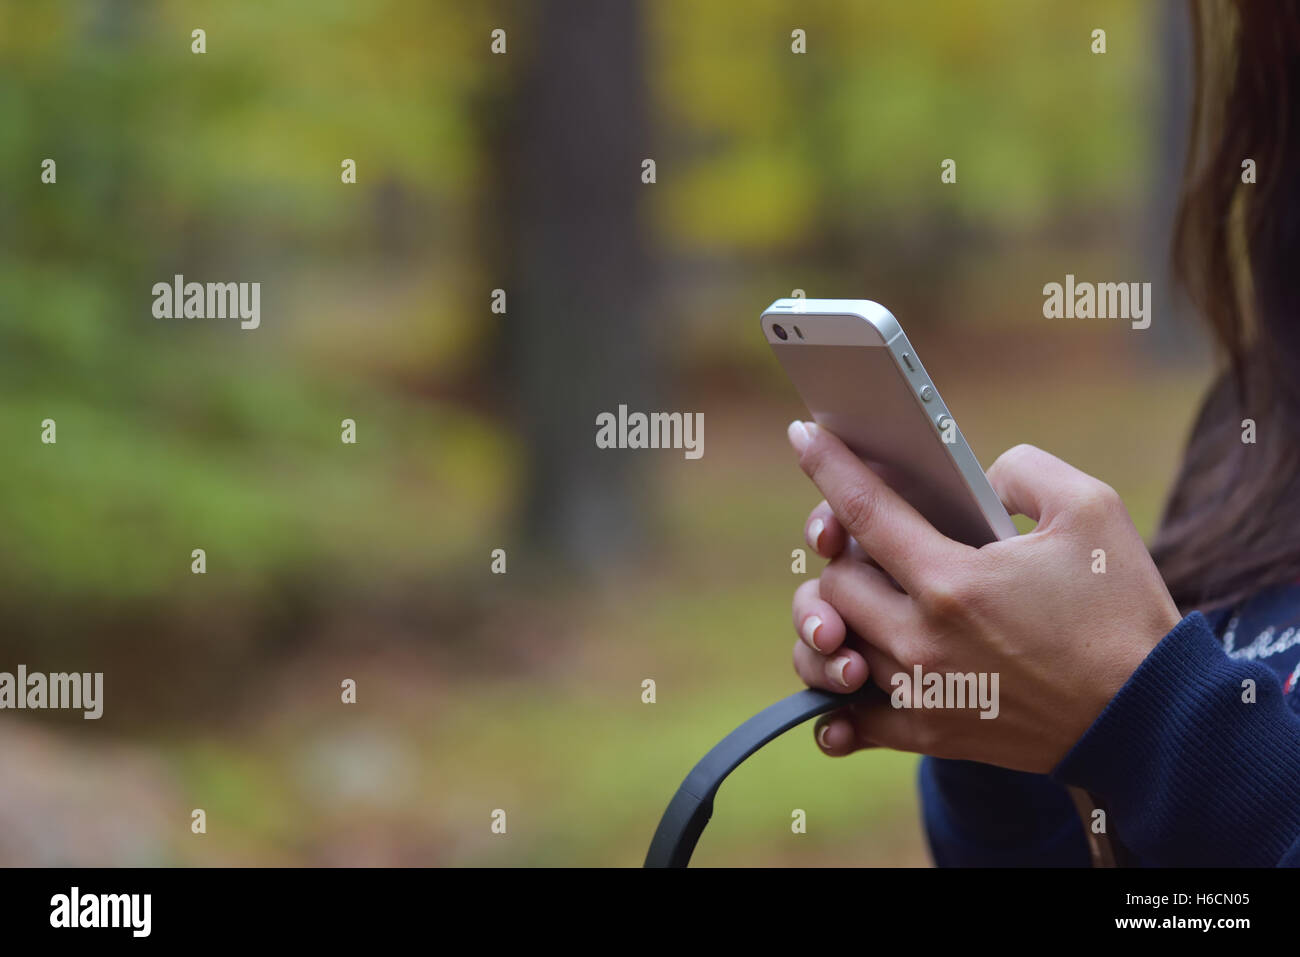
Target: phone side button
927 393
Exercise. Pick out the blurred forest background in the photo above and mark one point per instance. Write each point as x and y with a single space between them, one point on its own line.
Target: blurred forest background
775 172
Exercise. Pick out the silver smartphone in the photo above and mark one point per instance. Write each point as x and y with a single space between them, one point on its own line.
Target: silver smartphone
860 378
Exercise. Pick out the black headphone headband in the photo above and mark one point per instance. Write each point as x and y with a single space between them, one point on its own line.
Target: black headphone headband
692 806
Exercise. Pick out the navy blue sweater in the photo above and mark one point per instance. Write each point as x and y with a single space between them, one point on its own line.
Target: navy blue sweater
1191 773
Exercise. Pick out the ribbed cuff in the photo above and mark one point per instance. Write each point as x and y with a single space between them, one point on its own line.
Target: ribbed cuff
978 815
1193 774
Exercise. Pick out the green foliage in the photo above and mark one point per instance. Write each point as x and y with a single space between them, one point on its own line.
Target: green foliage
776 149
220 166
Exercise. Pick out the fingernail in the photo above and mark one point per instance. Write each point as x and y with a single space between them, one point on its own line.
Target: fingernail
836 669
815 532
799 435
810 626
821 736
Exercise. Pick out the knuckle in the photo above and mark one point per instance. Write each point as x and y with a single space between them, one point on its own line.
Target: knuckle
795 661
946 598
858 507
831 584
812 458
929 656
1101 500
1110 498
1019 452
1014 456
805 594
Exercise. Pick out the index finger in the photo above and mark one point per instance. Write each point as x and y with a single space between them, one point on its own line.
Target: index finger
891 531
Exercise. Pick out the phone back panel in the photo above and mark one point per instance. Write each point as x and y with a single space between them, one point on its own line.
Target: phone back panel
864 393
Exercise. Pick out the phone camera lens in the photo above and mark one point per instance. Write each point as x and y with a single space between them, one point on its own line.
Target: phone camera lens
780 332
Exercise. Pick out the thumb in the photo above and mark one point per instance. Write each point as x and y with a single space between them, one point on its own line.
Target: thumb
1035 483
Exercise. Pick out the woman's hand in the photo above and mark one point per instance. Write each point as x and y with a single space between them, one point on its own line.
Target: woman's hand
1061 635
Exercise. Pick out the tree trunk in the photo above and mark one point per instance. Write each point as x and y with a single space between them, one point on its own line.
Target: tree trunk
579 290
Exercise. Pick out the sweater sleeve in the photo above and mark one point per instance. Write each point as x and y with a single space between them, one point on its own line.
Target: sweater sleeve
1194 768
978 815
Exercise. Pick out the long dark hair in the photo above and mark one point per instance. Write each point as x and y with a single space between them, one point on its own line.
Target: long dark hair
1232 523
